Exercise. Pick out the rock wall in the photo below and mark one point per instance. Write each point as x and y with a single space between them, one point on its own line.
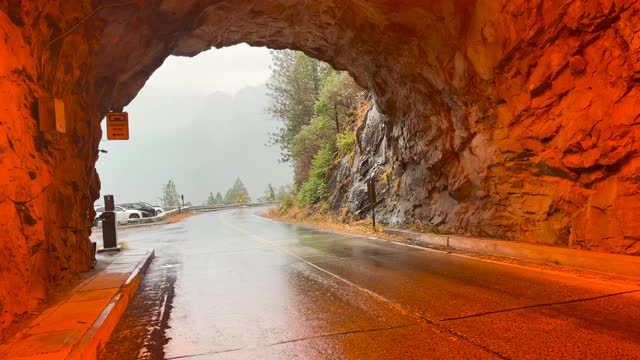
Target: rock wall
515 119
47 180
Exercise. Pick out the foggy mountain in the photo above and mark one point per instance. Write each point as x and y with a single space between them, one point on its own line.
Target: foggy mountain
203 143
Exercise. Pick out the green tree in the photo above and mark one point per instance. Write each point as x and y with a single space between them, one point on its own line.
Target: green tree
294 87
170 197
219 200
306 145
269 194
237 193
317 187
338 99
211 200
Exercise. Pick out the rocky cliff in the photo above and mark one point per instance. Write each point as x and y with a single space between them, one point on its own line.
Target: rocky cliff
47 180
515 119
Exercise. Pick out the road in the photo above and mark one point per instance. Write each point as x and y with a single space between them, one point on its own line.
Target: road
233 285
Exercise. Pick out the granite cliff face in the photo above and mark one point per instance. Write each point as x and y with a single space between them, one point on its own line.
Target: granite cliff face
512 119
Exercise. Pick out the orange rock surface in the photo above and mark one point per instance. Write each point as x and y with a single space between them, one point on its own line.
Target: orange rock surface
505 118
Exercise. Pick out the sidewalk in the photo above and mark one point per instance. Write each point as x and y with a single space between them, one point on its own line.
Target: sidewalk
78 326
624 265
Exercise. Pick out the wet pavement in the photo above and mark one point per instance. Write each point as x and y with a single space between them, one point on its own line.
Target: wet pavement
233 285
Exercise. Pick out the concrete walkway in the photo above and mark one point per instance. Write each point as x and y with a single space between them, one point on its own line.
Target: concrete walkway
623 265
78 326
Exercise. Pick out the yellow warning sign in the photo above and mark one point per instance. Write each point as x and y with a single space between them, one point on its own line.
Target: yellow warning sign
118 126
240 197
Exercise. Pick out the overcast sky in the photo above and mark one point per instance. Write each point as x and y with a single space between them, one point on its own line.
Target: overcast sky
189 124
226 70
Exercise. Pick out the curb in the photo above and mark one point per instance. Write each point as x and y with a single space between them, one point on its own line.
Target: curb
97 336
625 265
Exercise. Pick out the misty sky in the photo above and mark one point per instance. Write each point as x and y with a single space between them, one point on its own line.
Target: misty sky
201 122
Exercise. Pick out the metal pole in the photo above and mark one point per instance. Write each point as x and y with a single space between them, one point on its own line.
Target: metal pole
371 188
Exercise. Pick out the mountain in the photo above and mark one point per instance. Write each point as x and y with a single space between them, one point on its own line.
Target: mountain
203 143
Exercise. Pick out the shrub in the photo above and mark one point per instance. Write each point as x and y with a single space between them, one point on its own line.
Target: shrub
316 187
286 203
307 144
346 142
324 208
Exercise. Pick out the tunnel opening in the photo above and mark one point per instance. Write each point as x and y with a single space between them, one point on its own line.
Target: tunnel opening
202 123
519 125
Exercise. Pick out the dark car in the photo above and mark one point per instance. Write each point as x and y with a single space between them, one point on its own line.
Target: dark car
146 209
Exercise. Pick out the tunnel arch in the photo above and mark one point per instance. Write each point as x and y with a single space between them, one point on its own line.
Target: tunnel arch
510 119
477 95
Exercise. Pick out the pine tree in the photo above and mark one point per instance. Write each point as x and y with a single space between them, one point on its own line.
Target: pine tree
211 200
294 87
269 194
237 193
170 197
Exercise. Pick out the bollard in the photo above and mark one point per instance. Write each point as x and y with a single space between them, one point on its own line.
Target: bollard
109 231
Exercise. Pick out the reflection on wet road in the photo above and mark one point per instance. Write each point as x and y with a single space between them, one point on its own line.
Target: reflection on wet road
234 285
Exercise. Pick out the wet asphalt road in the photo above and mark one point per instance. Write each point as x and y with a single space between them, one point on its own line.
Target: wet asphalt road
232 285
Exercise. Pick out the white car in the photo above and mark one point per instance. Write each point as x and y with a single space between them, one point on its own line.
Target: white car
122 215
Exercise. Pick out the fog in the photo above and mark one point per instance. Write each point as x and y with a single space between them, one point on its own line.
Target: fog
200 122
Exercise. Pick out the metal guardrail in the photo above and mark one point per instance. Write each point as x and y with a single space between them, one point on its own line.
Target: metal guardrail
158 218
210 208
200 208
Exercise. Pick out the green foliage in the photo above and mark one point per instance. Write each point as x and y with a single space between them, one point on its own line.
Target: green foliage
215 200
345 142
316 106
170 197
307 144
286 203
269 194
294 87
233 195
338 99
316 187
324 208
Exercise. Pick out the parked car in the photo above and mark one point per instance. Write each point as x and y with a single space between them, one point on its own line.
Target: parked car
147 210
99 209
157 208
123 215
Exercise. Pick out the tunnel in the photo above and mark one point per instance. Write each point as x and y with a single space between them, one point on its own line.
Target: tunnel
517 120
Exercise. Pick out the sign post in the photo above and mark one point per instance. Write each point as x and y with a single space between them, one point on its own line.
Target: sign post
117 126
371 189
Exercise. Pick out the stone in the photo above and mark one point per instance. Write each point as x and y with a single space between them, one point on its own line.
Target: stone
508 119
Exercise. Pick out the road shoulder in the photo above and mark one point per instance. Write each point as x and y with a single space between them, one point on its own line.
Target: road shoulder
596 272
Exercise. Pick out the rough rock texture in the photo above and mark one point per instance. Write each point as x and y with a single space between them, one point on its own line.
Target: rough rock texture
515 119
45 192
